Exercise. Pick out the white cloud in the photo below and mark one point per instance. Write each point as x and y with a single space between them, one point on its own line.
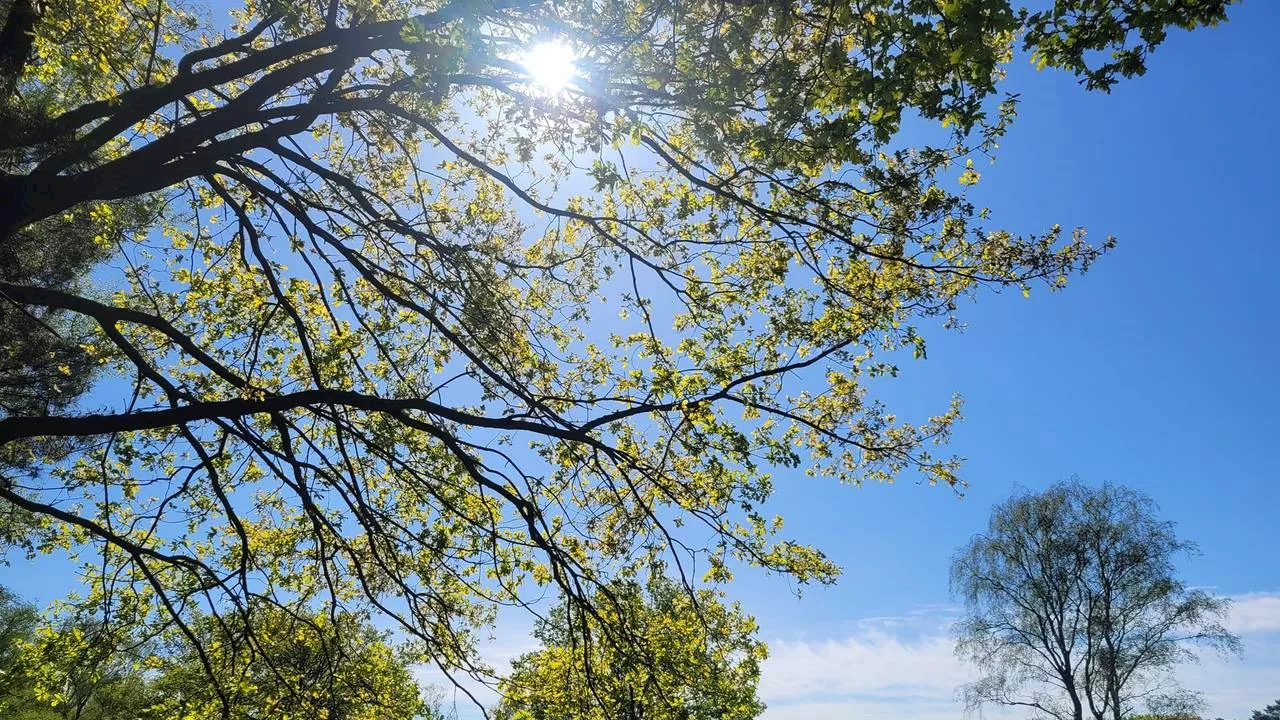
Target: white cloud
460 700
1255 612
858 709
872 662
889 668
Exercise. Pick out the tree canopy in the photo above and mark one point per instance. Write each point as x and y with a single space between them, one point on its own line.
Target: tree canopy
660 654
1074 607
278 665
389 325
1270 712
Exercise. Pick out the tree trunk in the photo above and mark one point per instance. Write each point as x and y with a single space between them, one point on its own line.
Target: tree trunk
16 42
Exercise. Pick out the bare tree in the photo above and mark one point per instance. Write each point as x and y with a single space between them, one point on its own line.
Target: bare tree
1075 609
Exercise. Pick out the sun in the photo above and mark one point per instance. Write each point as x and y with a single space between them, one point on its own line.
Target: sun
552 66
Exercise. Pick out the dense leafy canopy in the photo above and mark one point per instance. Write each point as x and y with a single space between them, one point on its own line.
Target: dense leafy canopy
1075 609
659 654
385 325
285 665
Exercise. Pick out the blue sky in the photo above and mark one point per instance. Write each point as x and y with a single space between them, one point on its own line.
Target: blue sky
1157 370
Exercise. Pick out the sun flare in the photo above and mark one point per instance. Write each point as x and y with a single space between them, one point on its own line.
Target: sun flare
552 66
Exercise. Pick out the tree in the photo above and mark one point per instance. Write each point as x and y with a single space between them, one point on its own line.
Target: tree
85 682
1074 608
361 361
1270 712
282 664
17 623
291 663
44 367
656 654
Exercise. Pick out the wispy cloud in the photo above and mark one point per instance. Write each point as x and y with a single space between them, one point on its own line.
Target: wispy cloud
890 668
1256 613
873 661
460 700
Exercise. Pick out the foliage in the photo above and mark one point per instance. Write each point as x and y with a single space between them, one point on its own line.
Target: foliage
1074 607
44 367
1270 712
281 664
49 673
17 623
652 654
407 334
1101 43
291 664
